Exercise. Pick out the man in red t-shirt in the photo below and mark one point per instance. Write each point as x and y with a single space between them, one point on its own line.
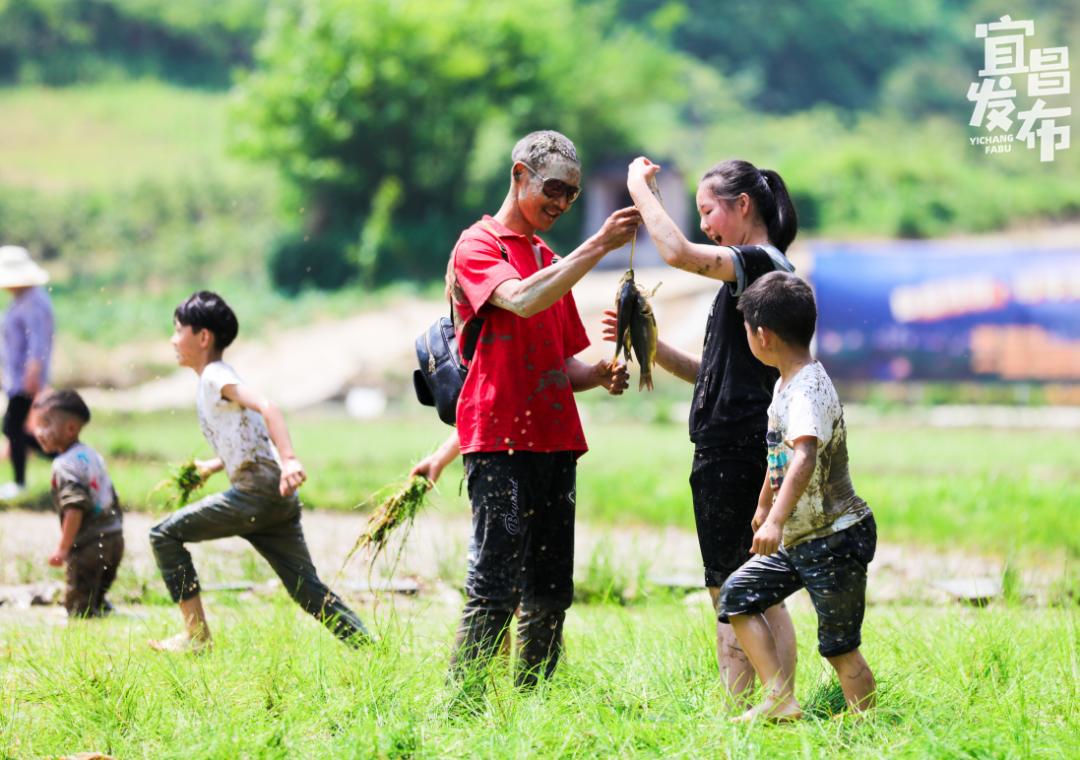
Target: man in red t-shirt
518 425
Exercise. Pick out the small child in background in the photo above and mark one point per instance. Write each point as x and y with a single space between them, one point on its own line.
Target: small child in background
91 524
811 529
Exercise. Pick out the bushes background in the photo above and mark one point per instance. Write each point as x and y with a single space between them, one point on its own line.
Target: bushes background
300 144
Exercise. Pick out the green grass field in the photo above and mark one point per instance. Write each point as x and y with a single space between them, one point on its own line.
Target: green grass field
636 682
989 491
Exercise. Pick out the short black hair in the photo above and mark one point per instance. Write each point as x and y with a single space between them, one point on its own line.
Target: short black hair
208 311
782 303
66 401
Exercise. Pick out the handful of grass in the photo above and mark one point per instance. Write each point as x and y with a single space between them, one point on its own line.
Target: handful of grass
398 509
184 481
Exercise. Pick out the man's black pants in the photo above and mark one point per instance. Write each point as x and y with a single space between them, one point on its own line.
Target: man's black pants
521 553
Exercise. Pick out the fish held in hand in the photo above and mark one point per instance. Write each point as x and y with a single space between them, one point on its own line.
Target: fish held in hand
635 326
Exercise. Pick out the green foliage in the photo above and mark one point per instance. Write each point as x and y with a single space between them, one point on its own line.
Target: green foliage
347 109
378 227
296 259
351 96
917 57
392 124
59 42
797 56
885 175
148 236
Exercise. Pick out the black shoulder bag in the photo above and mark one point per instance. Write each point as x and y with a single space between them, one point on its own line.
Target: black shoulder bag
441 375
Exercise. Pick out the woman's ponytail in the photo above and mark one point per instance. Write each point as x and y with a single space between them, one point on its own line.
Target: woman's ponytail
783 223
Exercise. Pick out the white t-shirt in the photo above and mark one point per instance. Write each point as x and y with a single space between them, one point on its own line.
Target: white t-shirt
808 406
238 435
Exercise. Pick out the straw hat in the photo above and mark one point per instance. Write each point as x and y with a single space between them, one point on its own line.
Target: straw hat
18 270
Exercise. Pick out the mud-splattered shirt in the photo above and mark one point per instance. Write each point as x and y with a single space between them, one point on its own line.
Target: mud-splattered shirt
808 406
238 435
517 396
80 481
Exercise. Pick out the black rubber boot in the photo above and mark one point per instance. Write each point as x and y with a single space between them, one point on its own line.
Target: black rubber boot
539 645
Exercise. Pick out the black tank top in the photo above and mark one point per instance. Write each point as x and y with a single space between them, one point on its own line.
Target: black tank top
733 389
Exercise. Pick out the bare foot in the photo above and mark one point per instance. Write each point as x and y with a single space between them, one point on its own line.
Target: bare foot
181 643
772 710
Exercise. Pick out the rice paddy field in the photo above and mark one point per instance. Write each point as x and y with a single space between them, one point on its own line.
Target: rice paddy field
639 678
987 490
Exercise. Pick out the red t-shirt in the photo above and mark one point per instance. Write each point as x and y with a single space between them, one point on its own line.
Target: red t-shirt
516 395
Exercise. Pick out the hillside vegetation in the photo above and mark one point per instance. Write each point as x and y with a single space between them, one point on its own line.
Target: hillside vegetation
151 147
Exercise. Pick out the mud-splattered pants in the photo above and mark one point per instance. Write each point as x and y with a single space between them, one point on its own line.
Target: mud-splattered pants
269 523
521 552
91 570
833 571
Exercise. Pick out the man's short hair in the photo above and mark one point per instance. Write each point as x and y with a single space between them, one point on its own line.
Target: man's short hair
208 311
537 148
783 303
66 401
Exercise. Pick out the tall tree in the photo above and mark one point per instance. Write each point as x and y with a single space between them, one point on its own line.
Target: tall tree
394 121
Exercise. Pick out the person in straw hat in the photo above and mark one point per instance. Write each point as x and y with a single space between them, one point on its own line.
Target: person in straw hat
28 338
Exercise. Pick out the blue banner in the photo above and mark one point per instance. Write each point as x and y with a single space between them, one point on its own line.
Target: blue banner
935 310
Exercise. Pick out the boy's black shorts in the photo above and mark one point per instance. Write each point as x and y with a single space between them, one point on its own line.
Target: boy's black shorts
833 571
725 482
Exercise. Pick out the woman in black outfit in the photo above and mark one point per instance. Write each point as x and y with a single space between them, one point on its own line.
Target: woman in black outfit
748 214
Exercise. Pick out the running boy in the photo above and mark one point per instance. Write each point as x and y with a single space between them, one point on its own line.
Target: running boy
810 528
252 444
91 537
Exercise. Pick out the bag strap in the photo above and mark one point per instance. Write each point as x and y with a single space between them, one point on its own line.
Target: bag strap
470 333
470 336
498 240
